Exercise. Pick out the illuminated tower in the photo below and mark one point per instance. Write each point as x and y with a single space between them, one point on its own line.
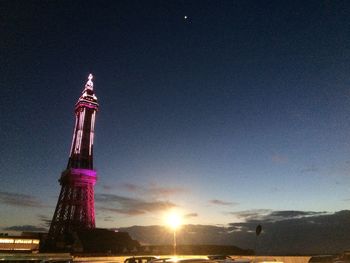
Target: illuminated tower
75 207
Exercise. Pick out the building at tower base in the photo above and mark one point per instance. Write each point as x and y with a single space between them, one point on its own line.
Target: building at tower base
104 241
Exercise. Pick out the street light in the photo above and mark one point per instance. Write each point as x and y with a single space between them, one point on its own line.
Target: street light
174 221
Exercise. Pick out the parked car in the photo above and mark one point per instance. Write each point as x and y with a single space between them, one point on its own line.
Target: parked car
322 259
139 259
265 260
221 258
159 260
228 259
343 258
183 260
242 260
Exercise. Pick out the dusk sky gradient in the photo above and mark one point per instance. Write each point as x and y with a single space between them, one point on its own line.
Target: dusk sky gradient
243 107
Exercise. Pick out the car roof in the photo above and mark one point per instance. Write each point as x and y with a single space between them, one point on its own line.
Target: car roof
147 258
321 258
182 260
218 257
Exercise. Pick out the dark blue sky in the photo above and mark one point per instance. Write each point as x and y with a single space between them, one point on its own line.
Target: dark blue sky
243 106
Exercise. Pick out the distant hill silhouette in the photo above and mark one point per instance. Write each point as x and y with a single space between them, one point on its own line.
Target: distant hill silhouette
284 233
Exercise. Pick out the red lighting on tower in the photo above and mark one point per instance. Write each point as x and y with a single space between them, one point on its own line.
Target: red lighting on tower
75 207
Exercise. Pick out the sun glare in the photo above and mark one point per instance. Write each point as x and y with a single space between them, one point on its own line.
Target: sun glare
174 220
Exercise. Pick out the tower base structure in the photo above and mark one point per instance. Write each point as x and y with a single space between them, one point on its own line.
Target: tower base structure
75 207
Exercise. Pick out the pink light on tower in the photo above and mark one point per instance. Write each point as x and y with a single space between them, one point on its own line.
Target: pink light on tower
75 207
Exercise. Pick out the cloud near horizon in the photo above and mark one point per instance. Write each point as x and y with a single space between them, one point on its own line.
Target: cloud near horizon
311 169
254 214
153 190
191 215
108 219
130 206
266 215
26 228
279 158
21 200
46 221
221 202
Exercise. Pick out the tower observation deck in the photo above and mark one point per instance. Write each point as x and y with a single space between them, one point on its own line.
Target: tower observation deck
75 207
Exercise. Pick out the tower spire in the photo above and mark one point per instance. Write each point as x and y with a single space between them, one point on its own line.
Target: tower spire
89 84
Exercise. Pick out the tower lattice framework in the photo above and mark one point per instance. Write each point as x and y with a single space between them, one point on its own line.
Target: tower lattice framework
75 207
